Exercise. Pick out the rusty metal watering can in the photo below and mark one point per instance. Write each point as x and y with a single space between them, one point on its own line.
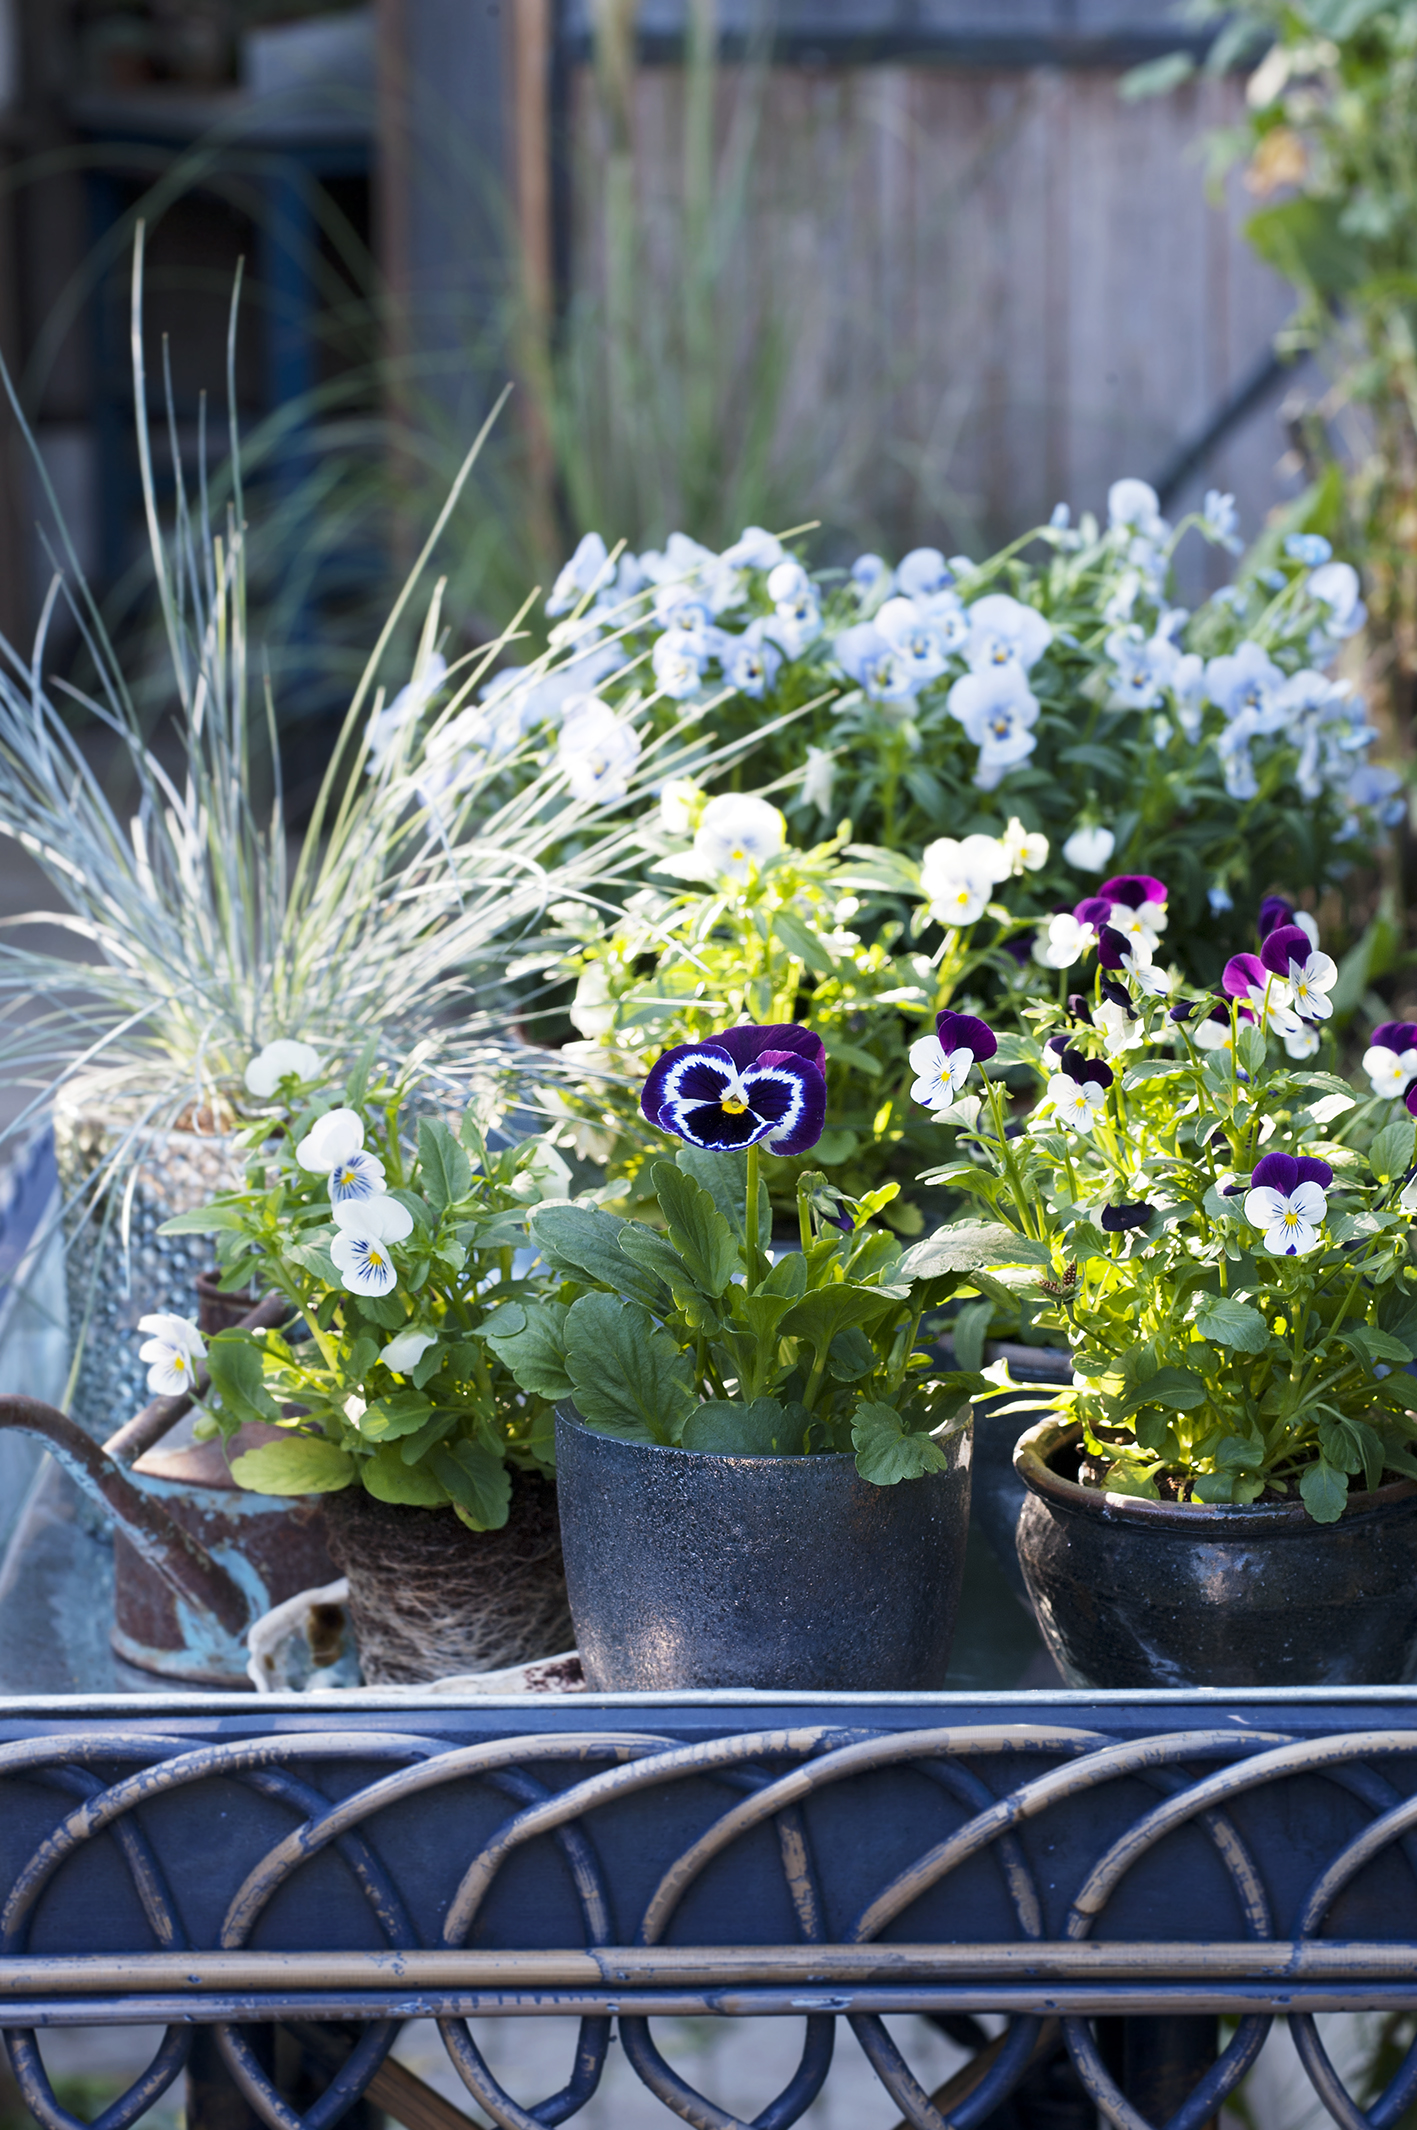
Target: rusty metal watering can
196 1558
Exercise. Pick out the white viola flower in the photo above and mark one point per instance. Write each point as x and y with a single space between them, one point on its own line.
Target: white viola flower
939 1074
1064 941
1145 976
679 658
751 662
1335 585
680 557
873 577
915 637
1145 667
1290 1219
1119 1030
869 658
958 901
1310 982
588 571
1089 849
1025 849
796 621
1124 597
174 1353
360 1251
739 833
679 806
680 606
334 1146
1134 506
1212 1034
1304 1044
818 779
408 705
982 858
597 750
1005 632
1220 520
1247 679
1077 1103
998 710
754 549
281 1060
407 1350
1391 1071
922 572
789 580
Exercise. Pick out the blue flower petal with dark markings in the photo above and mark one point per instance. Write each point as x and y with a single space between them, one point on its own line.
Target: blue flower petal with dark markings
773 1091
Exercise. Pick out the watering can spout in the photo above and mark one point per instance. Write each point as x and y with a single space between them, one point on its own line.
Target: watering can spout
179 1559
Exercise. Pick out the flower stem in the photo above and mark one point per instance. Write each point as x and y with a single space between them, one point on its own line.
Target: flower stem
750 1221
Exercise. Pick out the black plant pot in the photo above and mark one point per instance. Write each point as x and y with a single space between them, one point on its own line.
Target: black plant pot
998 1494
686 1569
1134 1593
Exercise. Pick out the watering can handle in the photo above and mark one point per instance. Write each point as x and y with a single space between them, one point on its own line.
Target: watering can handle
173 1552
156 1420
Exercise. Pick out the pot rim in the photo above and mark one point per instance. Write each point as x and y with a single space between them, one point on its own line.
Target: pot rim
567 1416
1196 1519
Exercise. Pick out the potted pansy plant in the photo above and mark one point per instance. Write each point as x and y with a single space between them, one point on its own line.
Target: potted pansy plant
1225 1494
393 1235
763 1473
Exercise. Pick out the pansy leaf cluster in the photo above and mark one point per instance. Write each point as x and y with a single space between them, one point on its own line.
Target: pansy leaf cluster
698 1334
745 925
1219 1231
394 1238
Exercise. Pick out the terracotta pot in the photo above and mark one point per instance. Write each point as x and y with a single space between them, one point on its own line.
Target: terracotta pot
1133 1593
690 1569
430 1599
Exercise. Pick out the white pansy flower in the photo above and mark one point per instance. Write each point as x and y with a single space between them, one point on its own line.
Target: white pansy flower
957 879
360 1251
939 1073
334 1146
1064 941
409 704
597 750
1134 506
1004 632
1025 849
281 1060
174 1353
1304 1044
818 779
589 570
1390 1070
914 635
1335 585
739 832
998 710
407 1350
1077 1103
1119 1030
1088 850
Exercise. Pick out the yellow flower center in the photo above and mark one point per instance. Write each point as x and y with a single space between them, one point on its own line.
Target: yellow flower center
732 1107
375 1258
1291 1219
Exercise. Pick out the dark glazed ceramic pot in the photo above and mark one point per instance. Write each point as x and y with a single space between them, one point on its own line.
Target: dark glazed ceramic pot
1136 1593
997 1493
686 1569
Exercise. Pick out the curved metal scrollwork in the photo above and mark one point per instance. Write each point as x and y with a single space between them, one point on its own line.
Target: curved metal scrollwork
773 1782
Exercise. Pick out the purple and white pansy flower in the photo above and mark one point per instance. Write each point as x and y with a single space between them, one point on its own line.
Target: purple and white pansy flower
1078 1090
1309 974
334 1147
942 1062
744 1087
1390 1061
1268 996
1286 1199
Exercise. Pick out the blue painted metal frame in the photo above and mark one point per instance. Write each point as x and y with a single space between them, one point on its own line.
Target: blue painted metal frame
1050 1857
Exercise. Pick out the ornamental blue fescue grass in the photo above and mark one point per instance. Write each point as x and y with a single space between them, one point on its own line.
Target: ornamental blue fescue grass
1056 683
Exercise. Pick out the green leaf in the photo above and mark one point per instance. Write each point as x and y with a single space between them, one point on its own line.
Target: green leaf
1176 1388
445 1172
1238 1325
1156 77
1250 1049
529 1338
1397 1314
305 1464
587 1239
699 1231
388 1478
356 1087
759 1427
851 1355
477 1480
1324 1492
1391 1151
825 1311
725 1178
403 1412
206 1220
966 1246
886 1452
970 1331
1304 241
627 1375
801 940
656 1254
1374 1347
1239 1453
236 1365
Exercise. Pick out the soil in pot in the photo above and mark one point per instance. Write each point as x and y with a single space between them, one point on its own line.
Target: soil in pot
691 1570
429 1598
1133 1593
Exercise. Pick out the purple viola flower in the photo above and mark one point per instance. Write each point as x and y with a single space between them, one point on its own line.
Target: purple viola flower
1307 973
1093 910
1285 943
1269 997
1275 911
1245 975
1082 1069
1112 948
1117 1219
1133 889
1286 1199
964 1031
745 1086
1079 1008
942 1062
